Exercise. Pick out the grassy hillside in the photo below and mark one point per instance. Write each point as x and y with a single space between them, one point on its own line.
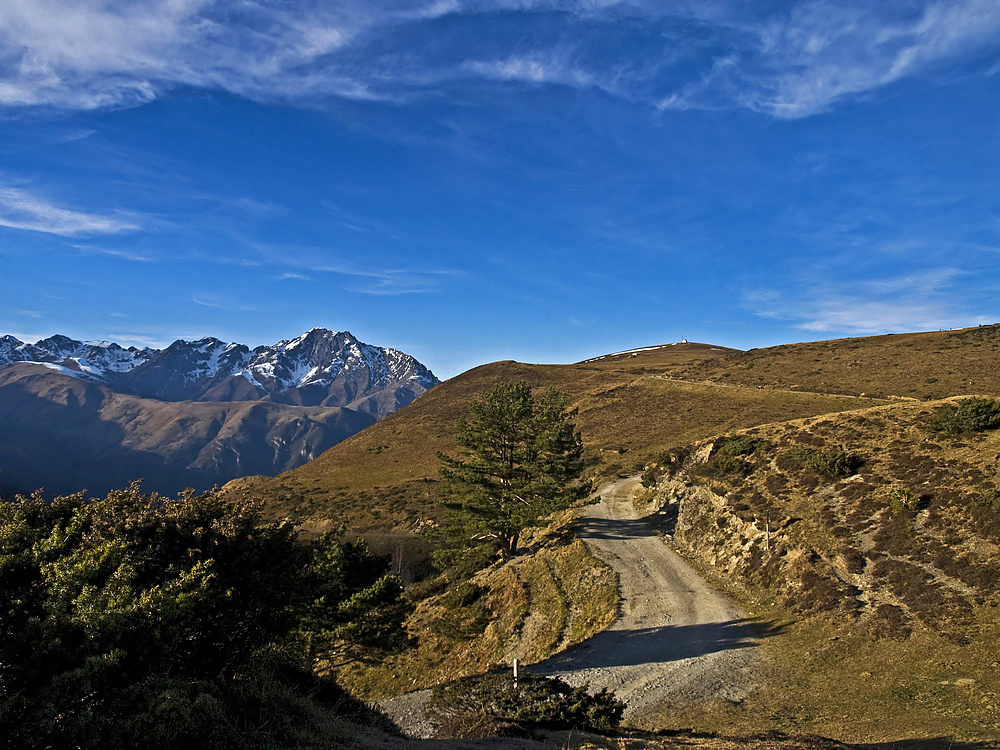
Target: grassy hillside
929 365
875 542
524 608
384 478
879 585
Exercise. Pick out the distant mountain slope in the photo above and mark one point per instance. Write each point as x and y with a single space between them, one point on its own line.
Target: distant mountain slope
67 434
96 415
319 368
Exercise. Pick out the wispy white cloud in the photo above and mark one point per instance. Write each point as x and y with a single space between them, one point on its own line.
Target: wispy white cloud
394 276
786 61
123 254
218 302
552 67
140 340
825 52
918 301
20 209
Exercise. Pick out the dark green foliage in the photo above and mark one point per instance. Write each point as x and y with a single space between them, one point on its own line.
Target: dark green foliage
136 620
720 466
349 605
903 499
462 594
650 477
832 463
520 458
740 445
968 415
490 704
466 612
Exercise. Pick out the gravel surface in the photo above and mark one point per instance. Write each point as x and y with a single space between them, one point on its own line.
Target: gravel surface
677 640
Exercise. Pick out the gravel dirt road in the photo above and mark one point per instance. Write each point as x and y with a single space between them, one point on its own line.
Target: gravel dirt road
677 640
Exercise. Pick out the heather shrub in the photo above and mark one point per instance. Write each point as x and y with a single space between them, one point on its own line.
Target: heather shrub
720 466
832 463
490 704
974 414
903 499
740 445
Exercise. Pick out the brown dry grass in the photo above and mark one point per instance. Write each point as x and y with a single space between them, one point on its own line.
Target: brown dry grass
930 365
530 605
843 667
893 615
385 478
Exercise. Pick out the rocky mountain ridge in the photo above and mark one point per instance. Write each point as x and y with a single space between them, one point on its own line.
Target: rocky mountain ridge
97 415
319 368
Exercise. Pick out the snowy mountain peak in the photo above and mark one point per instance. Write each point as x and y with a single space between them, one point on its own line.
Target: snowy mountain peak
320 367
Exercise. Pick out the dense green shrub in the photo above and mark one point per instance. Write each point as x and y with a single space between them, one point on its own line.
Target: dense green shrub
903 499
720 465
968 415
740 445
488 704
832 463
462 594
135 620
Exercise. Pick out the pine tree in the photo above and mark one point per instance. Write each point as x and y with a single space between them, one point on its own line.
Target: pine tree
520 459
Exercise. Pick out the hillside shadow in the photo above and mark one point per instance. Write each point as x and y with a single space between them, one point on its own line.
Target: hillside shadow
630 648
68 447
665 519
609 528
929 743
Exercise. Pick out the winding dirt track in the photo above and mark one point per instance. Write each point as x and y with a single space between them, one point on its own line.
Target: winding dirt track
676 641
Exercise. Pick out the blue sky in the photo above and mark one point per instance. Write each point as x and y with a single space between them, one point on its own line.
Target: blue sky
472 180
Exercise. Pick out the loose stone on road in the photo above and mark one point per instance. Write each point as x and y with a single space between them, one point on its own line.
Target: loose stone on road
677 640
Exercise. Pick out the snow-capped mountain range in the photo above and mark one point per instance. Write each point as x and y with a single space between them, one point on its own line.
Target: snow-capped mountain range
319 368
97 415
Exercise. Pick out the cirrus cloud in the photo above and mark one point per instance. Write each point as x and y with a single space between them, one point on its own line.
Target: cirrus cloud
785 61
20 209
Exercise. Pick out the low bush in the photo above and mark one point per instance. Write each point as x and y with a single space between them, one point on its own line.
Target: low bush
720 465
490 704
462 594
140 621
740 445
903 499
988 499
974 414
832 463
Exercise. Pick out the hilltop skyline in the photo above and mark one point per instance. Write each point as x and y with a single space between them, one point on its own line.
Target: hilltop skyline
473 181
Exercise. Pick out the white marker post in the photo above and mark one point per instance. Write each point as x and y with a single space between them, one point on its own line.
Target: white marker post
515 673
